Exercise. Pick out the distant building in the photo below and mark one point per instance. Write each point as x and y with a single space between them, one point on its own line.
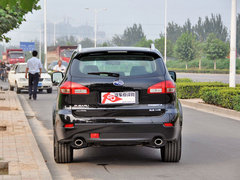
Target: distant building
64 29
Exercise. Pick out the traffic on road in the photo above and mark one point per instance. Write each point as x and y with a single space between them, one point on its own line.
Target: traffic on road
125 90
207 152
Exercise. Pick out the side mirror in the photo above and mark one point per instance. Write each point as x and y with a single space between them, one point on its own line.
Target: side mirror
57 77
173 75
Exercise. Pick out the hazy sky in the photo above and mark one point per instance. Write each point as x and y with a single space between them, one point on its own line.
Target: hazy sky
122 13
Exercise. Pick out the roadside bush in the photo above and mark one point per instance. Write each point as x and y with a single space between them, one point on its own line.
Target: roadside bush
184 80
224 97
207 66
211 71
192 89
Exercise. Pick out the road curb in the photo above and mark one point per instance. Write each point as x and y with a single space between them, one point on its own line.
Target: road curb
198 104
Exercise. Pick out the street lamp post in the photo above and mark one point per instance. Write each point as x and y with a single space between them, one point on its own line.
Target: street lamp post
54 33
96 11
232 67
165 39
45 34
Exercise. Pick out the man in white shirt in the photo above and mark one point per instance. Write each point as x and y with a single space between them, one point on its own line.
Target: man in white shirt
59 67
34 70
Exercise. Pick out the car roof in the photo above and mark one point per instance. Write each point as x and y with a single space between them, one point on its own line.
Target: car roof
118 49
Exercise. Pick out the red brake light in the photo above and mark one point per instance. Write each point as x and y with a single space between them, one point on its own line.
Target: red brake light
168 124
162 87
94 135
69 87
69 125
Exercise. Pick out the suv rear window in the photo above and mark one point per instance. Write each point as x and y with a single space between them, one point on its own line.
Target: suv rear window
125 65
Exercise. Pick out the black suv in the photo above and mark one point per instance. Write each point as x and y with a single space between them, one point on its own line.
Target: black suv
117 96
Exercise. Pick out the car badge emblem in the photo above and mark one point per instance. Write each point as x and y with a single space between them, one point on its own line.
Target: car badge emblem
118 83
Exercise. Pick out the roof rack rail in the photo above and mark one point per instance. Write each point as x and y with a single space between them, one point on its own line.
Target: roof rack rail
79 48
152 47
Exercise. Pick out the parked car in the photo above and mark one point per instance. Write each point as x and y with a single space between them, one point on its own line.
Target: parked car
117 96
17 80
53 64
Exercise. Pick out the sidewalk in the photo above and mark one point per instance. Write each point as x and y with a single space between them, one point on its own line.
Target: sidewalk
20 156
199 105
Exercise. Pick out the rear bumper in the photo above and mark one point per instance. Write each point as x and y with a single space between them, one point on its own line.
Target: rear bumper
118 130
24 85
107 136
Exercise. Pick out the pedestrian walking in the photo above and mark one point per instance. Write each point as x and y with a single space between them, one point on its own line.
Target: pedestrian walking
33 73
2 70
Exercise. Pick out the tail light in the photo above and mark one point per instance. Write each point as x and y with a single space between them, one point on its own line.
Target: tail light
168 124
69 87
162 87
69 125
94 135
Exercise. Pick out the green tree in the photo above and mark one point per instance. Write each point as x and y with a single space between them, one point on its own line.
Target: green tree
105 44
185 48
66 41
130 37
199 53
12 14
215 49
187 27
214 24
160 45
144 42
86 43
201 30
174 31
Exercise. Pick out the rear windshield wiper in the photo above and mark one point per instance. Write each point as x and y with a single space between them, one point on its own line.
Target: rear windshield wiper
107 73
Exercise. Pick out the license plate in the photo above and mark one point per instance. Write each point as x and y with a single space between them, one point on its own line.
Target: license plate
39 84
118 97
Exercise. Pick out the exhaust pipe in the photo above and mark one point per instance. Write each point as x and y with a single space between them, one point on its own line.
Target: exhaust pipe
78 142
158 142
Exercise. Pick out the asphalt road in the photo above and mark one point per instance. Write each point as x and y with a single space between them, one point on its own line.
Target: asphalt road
211 151
208 77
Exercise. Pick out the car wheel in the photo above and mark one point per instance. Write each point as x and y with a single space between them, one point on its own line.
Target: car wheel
40 90
63 153
171 152
49 90
11 88
18 90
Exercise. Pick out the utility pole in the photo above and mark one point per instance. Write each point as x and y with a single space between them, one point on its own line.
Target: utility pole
54 33
40 44
95 28
45 34
165 39
232 67
96 11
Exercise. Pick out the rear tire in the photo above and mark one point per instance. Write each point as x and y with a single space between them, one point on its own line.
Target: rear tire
63 153
18 90
49 90
171 152
11 88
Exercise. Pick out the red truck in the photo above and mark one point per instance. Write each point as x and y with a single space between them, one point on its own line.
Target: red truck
60 53
13 56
